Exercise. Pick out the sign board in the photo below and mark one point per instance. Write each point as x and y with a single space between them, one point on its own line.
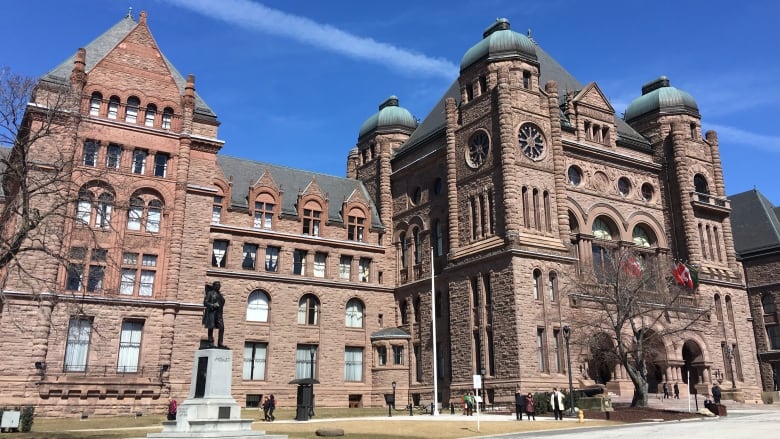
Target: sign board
10 419
477 381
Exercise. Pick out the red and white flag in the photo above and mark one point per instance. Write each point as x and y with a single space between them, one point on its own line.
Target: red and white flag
683 275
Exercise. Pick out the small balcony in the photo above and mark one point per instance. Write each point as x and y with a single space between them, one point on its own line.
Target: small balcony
709 202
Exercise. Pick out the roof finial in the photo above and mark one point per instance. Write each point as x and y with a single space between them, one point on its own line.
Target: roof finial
129 12
529 33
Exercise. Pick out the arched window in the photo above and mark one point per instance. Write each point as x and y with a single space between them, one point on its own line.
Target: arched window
95 203
312 213
729 309
135 213
438 238
641 237
145 209
94 103
402 309
700 184
602 229
355 225
113 107
416 305
537 283
404 250
417 246
718 307
354 314
151 113
167 118
257 306
84 207
104 206
131 110
309 310
768 303
552 286
153 216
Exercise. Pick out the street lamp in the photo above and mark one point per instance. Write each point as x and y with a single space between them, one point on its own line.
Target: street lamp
484 392
567 336
393 404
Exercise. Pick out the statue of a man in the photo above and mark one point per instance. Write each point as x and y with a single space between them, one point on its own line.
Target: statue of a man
214 302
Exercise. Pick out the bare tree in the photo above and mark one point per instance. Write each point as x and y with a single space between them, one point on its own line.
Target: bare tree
629 309
40 181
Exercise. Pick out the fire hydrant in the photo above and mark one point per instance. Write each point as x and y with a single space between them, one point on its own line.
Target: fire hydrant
581 416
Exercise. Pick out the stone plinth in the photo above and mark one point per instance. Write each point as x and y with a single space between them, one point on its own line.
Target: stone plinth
210 411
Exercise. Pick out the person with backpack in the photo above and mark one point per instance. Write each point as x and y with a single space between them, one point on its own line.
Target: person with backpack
271 408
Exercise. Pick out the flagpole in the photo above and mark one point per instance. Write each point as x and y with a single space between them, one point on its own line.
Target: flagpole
435 409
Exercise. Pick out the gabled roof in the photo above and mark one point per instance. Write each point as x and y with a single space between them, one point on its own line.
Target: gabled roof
755 223
550 70
102 45
246 172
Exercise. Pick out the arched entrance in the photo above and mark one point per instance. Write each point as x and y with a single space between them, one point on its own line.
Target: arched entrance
655 359
693 364
602 358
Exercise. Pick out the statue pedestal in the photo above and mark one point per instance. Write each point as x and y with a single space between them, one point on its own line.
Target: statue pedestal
210 411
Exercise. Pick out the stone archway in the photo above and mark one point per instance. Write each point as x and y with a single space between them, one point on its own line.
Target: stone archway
656 360
601 358
693 364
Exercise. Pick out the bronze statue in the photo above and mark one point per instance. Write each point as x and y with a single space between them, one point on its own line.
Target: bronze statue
214 302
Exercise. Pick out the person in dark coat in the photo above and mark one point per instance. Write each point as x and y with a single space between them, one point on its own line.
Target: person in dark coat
172 409
666 390
519 405
676 391
530 409
716 393
271 408
214 302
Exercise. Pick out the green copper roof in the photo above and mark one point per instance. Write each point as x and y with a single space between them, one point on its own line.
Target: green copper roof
390 115
658 95
499 42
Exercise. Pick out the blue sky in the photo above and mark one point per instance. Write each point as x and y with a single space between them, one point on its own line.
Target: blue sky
292 82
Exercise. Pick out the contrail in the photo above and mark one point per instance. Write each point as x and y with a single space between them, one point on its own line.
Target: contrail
257 17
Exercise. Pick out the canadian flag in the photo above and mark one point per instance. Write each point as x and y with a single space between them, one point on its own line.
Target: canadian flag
632 267
683 275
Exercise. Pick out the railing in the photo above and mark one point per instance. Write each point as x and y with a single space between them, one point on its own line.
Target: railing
107 371
711 200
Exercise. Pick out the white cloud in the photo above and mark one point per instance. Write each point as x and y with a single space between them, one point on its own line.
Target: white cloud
729 136
257 17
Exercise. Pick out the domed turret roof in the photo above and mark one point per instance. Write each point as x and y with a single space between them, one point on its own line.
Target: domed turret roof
390 115
658 95
499 42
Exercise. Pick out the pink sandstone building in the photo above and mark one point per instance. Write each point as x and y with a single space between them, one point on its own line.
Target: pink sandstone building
518 181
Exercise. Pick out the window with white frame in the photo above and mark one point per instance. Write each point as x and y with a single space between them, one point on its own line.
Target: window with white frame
103 210
153 216
216 210
552 287
355 226
219 253
129 346
131 110
254 361
353 364
139 161
272 259
113 156
151 112
319 264
77 344
345 265
305 361
537 280
309 310
84 208
381 355
90 153
354 315
148 273
264 215
161 164
140 270
113 107
311 222
365 269
129 270
249 256
167 118
94 103
135 213
398 355
257 306
299 262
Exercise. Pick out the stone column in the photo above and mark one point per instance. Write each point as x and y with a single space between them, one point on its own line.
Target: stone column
685 183
556 148
508 145
451 114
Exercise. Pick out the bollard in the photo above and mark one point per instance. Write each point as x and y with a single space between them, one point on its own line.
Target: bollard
410 409
581 416
452 408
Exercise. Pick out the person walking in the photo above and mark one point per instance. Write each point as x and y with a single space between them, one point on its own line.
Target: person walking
271 408
676 391
265 409
172 409
469 404
666 390
530 409
556 402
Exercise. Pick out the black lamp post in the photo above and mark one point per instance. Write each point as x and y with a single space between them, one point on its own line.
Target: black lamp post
484 392
393 403
567 336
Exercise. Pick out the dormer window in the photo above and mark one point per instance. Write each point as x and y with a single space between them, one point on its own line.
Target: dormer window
526 79
355 226
482 84
113 107
469 92
311 222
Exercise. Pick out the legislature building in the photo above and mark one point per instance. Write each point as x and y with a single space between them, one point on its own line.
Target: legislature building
507 201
